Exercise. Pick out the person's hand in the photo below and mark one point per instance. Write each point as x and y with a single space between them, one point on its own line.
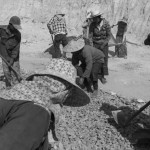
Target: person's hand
103 45
11 61
81 80
88 80
50 31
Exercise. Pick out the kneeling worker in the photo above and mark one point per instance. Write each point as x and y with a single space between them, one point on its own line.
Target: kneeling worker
91 65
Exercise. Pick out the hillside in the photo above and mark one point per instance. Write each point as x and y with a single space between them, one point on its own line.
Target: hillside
41 11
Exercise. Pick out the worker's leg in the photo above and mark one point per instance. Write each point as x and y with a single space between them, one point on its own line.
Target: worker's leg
64 43
95 71
16 67
7 74
57 42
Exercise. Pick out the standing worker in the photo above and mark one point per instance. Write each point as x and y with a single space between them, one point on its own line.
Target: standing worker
99 35
57 27
121 50
10 39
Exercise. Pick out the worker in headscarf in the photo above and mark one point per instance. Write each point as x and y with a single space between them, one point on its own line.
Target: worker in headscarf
99 35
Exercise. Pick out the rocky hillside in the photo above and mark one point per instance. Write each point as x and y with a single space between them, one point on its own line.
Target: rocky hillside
138 12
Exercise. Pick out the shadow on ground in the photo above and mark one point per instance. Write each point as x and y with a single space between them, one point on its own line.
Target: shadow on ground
51 49
112 53
131 132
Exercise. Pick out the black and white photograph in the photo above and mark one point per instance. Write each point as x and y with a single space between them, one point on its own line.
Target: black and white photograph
74 75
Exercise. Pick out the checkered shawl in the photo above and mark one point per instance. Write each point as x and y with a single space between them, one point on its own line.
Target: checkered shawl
57 25
42 90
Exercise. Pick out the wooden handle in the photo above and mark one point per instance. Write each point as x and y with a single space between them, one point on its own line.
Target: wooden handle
16 74
136 113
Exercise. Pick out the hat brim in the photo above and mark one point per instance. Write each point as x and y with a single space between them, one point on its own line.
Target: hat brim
78 97
99 14
123 21
73 48
17 26
89 16
61 14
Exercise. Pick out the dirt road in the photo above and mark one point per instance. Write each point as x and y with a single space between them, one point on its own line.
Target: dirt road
127 77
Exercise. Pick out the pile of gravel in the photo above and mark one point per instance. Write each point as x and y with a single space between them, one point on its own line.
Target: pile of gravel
92 127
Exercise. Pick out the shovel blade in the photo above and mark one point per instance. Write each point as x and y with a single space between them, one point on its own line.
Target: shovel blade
119 117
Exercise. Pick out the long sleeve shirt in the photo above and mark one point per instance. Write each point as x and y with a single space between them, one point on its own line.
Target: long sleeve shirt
9 43
57 25
88 56
122 28
100 33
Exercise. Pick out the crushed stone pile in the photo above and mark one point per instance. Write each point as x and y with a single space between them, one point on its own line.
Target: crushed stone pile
92 127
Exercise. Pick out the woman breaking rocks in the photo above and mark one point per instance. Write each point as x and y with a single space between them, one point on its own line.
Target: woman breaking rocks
31 108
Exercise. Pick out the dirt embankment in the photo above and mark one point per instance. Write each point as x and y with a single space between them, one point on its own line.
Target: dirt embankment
137 12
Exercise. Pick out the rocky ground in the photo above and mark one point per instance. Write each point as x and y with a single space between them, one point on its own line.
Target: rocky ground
91 127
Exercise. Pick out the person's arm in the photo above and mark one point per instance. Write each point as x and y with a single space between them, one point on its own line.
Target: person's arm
0 33
91 34
15 51
89 63
108 31
50 25
75 60
3 50
65 26
103 43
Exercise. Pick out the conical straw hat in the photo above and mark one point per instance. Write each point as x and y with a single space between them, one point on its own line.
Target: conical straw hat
74 45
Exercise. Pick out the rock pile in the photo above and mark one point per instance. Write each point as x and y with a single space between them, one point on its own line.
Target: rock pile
92 127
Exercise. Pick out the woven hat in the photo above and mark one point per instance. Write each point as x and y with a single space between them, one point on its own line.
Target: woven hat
124 19
64 69
74 45
89 14
96 13
16 22
60 12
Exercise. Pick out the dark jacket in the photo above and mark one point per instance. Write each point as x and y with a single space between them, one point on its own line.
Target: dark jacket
88 56
23 125
122 28
102 35
9 43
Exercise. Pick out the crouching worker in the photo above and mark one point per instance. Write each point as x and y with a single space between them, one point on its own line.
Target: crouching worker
91 66
31 108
